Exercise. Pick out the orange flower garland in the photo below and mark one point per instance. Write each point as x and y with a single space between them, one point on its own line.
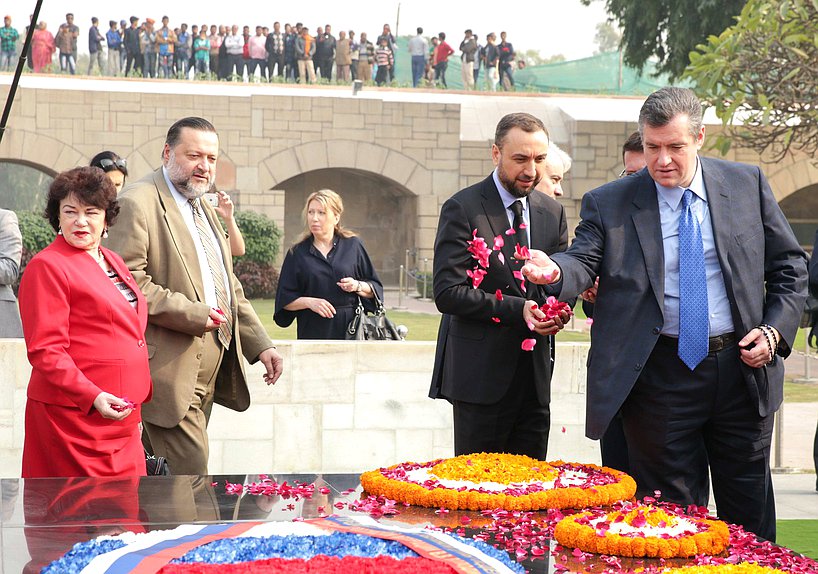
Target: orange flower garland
742 568
510 482
642 531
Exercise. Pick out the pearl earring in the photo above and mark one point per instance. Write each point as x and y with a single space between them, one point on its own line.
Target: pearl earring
59 231
105 233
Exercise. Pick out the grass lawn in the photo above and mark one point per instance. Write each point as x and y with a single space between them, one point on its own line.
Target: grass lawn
800 535
422 326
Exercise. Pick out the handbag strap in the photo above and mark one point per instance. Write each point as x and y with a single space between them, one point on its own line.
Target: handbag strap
379 308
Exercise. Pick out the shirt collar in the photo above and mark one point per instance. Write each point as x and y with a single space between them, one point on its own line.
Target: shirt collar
505 196
673 195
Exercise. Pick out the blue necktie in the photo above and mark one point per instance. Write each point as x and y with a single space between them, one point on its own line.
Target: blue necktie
693 322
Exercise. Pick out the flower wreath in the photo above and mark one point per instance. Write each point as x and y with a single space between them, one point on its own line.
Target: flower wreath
484 481
642 530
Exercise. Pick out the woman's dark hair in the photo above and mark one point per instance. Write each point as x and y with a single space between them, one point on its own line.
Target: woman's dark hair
109 161
89 185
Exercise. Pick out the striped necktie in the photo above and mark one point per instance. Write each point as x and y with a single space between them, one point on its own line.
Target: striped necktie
215 264
693 320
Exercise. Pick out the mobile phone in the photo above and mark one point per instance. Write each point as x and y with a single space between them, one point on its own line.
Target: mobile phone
212 198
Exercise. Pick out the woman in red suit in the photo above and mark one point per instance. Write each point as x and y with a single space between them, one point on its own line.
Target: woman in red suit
84 321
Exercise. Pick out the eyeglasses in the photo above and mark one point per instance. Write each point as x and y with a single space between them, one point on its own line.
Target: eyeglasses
110 165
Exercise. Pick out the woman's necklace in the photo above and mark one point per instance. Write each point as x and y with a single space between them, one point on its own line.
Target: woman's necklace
98 257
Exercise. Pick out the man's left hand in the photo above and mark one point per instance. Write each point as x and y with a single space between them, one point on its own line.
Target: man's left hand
754 349
274 363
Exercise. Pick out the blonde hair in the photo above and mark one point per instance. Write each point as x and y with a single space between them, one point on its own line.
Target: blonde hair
331 201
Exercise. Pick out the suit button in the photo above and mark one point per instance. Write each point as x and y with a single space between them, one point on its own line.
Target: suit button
656 330
637 367
140 343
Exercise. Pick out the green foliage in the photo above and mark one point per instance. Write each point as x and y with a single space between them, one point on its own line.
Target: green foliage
668 29
255 269
37 232
37 235
262 237
259 280
760 75
607 37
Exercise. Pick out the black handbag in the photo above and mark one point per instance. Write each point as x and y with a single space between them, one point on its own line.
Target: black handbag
156 465
371 326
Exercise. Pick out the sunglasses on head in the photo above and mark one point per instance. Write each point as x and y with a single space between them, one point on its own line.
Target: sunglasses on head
110 165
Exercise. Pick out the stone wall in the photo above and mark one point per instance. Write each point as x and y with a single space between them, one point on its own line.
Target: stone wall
339 407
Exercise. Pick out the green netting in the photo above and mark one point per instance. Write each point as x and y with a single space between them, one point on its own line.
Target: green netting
598 74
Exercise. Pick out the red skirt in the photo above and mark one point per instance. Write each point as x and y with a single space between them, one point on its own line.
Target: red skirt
63 441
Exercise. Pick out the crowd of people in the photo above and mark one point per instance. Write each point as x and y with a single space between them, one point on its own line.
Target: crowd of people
292 53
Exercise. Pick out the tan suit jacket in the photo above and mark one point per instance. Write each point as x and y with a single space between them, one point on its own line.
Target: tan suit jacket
157 246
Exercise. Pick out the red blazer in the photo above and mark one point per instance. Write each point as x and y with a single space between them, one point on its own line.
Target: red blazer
82 336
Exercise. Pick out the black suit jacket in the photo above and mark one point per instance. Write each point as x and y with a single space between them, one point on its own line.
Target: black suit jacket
476 355
619 238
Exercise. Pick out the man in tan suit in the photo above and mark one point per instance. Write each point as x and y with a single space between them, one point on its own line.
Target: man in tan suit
199 321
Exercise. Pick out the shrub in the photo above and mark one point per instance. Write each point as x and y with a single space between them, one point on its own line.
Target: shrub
262 238
420 276
260 280
37 235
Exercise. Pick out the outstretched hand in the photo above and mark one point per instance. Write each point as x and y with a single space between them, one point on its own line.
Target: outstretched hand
540 269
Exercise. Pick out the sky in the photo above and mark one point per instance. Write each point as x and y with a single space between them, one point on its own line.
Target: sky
549 26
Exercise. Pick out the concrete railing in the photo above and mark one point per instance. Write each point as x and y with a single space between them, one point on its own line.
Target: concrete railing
339 407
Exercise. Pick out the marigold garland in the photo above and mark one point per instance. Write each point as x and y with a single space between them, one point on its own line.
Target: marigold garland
574 486
502 468
596 531
742 568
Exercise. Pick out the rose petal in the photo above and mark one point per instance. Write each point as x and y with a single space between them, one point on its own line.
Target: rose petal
528 344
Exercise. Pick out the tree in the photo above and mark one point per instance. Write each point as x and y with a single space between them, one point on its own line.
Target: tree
607 37
668 29
763 72
534 58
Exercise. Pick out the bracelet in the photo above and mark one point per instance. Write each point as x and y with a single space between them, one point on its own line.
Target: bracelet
768 336
772 334
357 286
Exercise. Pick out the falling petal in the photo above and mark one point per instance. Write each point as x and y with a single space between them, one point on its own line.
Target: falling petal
528 344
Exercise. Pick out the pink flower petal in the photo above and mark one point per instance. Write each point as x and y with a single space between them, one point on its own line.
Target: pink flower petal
528 344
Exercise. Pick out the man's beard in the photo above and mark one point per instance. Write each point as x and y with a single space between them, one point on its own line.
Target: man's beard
511 184
183 182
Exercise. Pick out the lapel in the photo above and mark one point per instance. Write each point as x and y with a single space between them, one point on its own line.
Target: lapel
179 234
498 221
718 199
648 226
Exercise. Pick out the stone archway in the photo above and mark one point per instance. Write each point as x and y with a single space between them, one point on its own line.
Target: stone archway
379 210
364 156
801 210
384 192
32 149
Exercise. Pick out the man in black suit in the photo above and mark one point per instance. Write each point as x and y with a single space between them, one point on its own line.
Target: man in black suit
701 287
500 391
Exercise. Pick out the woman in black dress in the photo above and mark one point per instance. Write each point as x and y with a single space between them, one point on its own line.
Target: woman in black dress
325 273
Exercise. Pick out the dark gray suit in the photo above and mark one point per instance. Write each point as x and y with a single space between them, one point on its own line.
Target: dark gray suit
11 249
480 337
620 240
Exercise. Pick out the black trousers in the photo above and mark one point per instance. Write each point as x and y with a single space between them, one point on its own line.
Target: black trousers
276 62
678 422
517 424
614 447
